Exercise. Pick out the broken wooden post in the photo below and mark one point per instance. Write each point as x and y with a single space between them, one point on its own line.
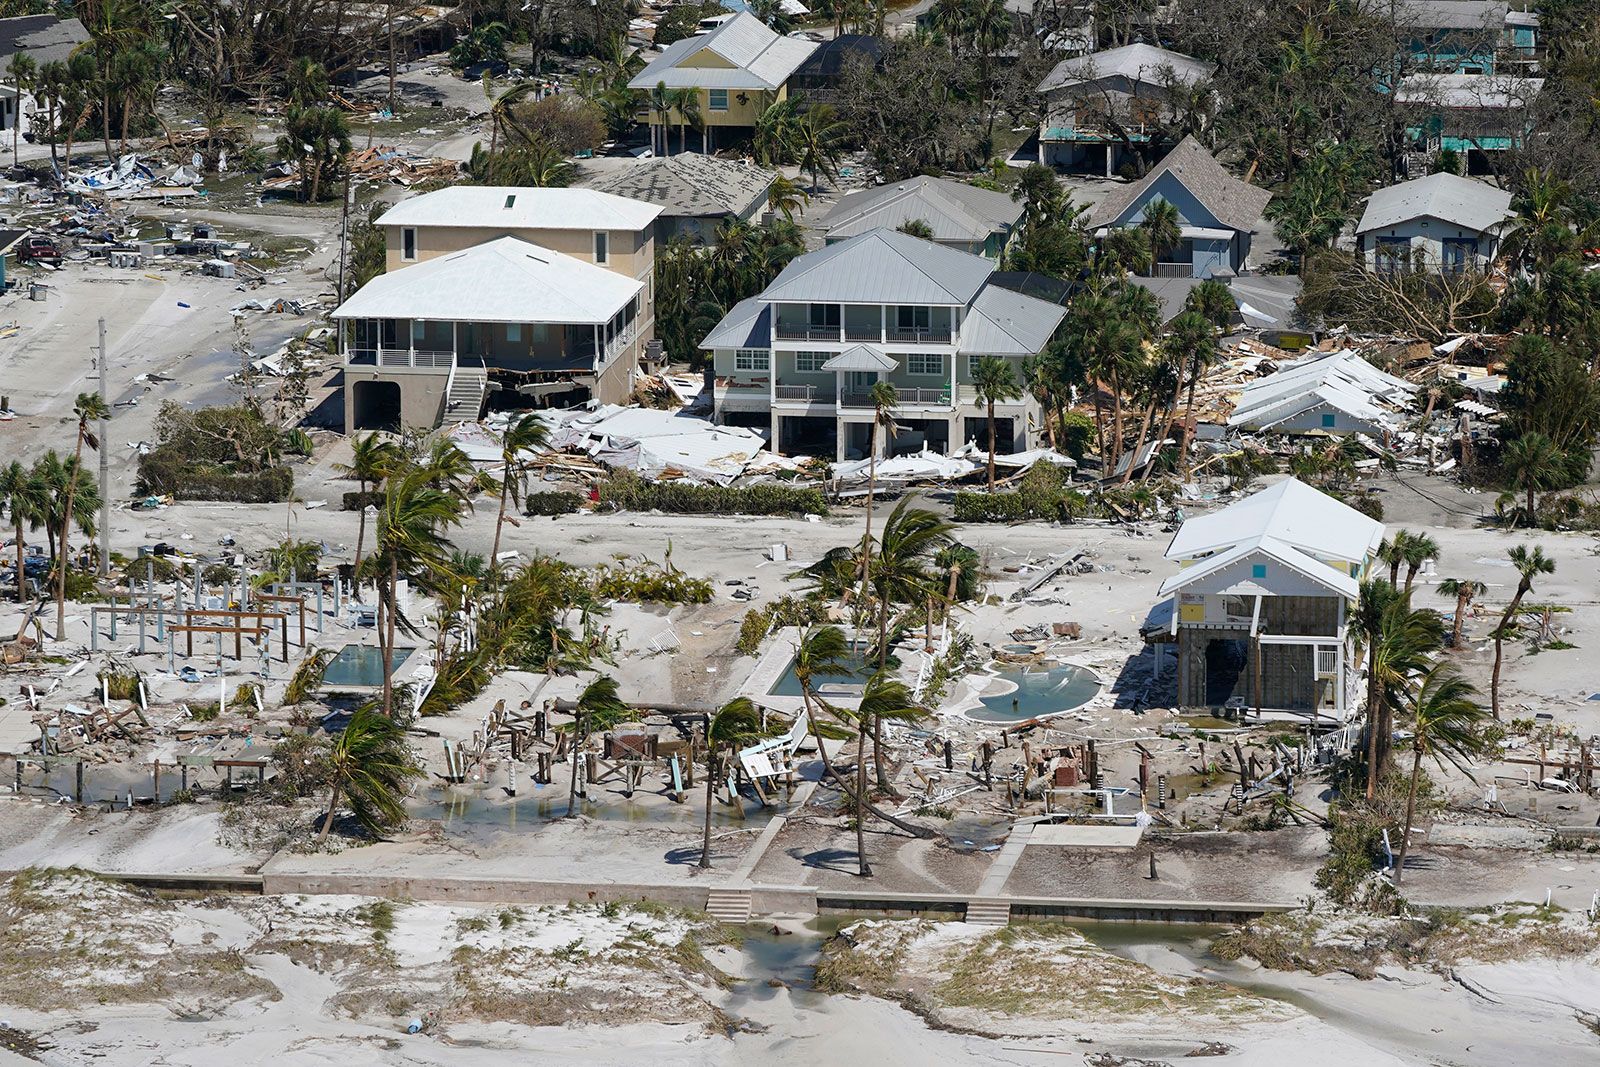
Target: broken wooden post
155 780
78 796
1152 866
949 754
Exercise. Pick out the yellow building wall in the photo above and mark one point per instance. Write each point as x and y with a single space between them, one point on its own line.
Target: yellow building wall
631 252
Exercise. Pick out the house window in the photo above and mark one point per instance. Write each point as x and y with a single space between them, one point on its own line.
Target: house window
1327 660
750 359
408 244
419 331
513 333
930 363
719 99
602 248
912 318
810 362
1391 254
1328 420
1460 253
1258 570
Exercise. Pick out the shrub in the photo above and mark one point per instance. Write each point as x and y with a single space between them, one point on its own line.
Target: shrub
356 500
785 611
648 583
216 453
990 507
626 491
552 503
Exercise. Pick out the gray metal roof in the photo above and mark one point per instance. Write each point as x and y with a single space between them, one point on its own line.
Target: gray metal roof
955 210
1465 202
1232 202
1452 14
689 184
862 357
1006 323
882 267
1136 62
761 59
748 325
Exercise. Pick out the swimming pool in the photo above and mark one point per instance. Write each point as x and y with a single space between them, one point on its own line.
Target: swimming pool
361 667
860 668
1039 690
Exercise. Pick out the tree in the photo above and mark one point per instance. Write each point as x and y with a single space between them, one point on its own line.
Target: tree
1533 463
1393 552
822 650
1193 340
598 708
24 72
817 134
317 138
22 498
917 228
686 102
1418 549
372 459
89 408
529 433
994 381
785 195
733 726
1464 590
884 399
502 112
915 109
1445 726
1530 563
883 697
1398 640
371 765
1162 226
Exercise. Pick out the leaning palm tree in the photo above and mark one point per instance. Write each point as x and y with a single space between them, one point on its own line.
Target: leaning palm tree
994 381
530 433
88 407
371 461
1398 640
598 708
408 538
884 398
1193 341
371 765
1446 722
785 196
817 132
822 650
1464 590
1393 552
24 501
502 113
1418 549
882 698
733 726
1530 563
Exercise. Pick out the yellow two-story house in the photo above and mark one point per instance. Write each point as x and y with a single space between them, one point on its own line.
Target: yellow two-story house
737 70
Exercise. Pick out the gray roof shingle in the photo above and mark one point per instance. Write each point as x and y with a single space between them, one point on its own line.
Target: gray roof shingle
1234 203
689 184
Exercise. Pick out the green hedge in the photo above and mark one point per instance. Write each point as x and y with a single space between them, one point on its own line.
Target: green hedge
556 502
163 472
355 501
628 492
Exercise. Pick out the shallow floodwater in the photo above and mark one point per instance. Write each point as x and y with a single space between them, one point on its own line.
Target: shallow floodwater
482 807
1040 691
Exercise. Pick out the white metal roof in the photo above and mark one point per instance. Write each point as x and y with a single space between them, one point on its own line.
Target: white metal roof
955 211
1270 548
862 357
1465 202
505 280
881 267
511 207
1136 62
1290 512
761 59
1339 379
1492 91
1006 323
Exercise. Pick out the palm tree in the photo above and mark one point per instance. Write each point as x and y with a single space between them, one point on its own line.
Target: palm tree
88 407
1213 300
822 650
371 765
23 499
598 708
1193 342
1534 464
883 697
502 113
816 140
785 195
884 399
24 74
661 107
1530 563
734 725
1393 552
1162 227
372 460
994 381
407 539
1398 640
1418 549
916 228
1463 589
530 433
686 102
1446 723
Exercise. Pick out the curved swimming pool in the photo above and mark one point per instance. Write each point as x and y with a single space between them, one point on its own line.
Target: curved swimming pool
1037 690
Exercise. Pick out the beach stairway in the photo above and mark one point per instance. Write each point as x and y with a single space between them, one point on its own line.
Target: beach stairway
464 401
989 912
729 905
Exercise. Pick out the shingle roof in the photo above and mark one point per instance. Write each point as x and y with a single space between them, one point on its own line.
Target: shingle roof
43 38
1136 62
1466 202
1233 203
689 184
1452 14
761 59
882 267
956 211
1006 323
747 325
1291 512
506 280
510 207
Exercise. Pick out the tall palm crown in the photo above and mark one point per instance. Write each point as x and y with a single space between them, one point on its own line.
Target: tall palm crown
1397 642
527 434
733 726
1446 726
1162 225
1530 563
994 381
371 765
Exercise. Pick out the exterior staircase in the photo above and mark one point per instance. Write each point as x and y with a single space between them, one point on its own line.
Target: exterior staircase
464 400
989 912
729 905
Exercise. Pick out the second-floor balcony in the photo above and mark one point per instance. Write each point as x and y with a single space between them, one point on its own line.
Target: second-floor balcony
801 331
904 397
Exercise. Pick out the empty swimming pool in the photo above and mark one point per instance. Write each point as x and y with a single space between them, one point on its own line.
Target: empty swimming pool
1040 690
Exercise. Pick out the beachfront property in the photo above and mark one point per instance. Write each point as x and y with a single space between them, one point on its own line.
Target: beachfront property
1333 394
696 193
1470 36
1441 222
542 292
961 216
1259 609
737 70
1218 214
1105 110
801 357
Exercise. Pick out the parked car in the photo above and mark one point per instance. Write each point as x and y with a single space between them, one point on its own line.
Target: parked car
38 246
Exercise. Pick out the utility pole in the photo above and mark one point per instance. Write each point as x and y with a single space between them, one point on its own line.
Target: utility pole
344 227
105 463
